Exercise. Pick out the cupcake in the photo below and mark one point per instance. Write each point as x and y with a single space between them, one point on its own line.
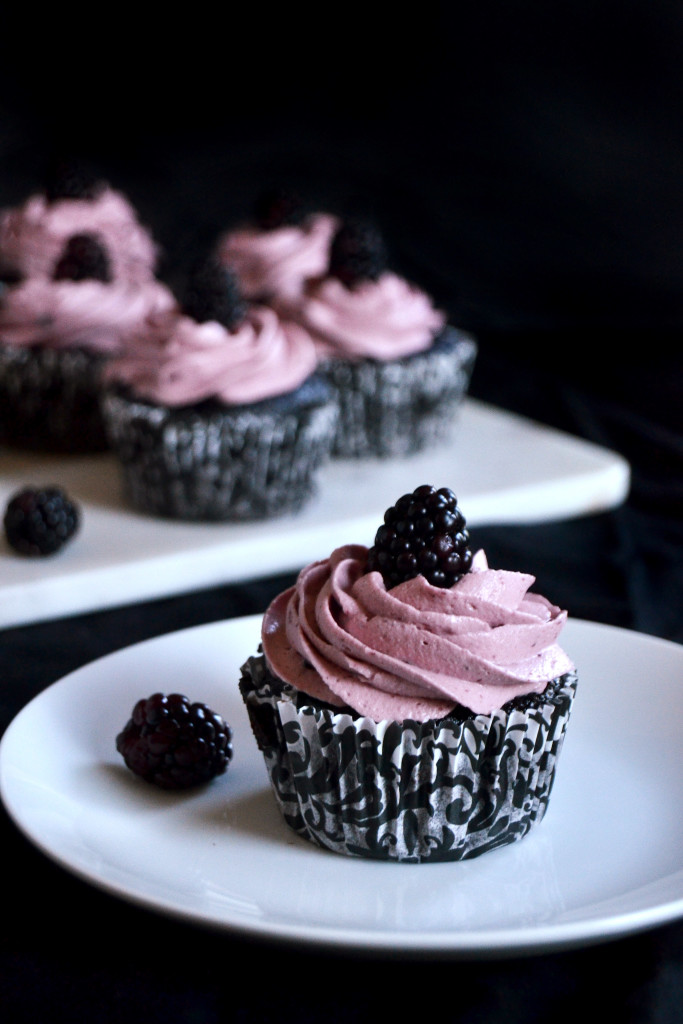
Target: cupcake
279 249
399 370
77 282
409 701
217 412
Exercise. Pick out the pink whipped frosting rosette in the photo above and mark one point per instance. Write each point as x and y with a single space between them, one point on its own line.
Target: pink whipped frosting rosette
416 724
33 235
274 265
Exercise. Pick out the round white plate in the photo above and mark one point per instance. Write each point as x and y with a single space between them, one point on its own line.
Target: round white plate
606 861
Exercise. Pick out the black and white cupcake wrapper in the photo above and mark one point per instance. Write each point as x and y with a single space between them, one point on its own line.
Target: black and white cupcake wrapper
413 792
50 399
218 463
396 408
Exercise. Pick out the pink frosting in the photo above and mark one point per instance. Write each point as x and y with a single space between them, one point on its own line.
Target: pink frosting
276 263
182 362
97 315
415 651
384 319
33 235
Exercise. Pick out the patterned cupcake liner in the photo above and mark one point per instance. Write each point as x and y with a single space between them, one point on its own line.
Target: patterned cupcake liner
216 463
413 792
50 399
396 408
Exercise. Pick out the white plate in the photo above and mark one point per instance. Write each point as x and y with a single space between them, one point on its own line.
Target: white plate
607 859
504 469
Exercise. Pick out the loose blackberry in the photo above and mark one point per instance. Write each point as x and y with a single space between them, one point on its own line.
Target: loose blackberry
213 293
277 207
423 534
71 179
174 742
357 252
84 258
40 521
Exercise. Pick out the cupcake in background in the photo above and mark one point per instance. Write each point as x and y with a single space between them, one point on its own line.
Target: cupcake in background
77 282
399 370
75 201
279 249
409 701
217 412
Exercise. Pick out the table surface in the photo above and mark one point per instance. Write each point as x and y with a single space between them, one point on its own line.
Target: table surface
504 468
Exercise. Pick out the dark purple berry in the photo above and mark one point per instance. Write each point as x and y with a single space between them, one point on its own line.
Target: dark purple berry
174 742
84 258
72 179
278 207
39 522
213 293
357 253
423 534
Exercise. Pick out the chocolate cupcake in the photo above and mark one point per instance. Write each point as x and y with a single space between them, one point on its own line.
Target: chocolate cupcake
77 279
405 714
218 413
399 370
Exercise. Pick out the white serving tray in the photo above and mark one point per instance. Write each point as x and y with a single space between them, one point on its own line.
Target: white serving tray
503 468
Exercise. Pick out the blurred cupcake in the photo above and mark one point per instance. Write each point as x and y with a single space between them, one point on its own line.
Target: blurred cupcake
217 413
279 249
399 370
77 274
405 713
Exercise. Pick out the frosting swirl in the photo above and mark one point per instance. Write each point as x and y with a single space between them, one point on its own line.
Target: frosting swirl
90 314
383 319
180 361
415 651
276 263
33 235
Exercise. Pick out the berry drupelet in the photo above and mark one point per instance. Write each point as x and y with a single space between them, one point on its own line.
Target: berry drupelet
213 293
357 253
423 534
40 521
175 743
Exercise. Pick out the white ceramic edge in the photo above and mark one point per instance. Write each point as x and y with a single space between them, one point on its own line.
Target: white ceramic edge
581 479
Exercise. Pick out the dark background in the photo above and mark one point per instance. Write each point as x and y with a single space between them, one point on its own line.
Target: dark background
524 160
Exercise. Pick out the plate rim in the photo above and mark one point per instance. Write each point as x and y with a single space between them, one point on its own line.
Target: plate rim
490 942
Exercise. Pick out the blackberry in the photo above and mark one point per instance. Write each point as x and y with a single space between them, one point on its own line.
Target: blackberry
83 258
174 742
277 207
71 179
39 521
357 252
423 534
213 293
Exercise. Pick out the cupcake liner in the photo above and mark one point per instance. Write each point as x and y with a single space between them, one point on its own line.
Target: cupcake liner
407 791
403 406
50 399
214 462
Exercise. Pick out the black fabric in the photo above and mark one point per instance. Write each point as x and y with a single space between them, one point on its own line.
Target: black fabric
524 160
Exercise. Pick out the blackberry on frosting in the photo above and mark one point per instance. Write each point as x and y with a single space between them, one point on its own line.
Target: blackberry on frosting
424 534
358 252
84 258
72 179
213 293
